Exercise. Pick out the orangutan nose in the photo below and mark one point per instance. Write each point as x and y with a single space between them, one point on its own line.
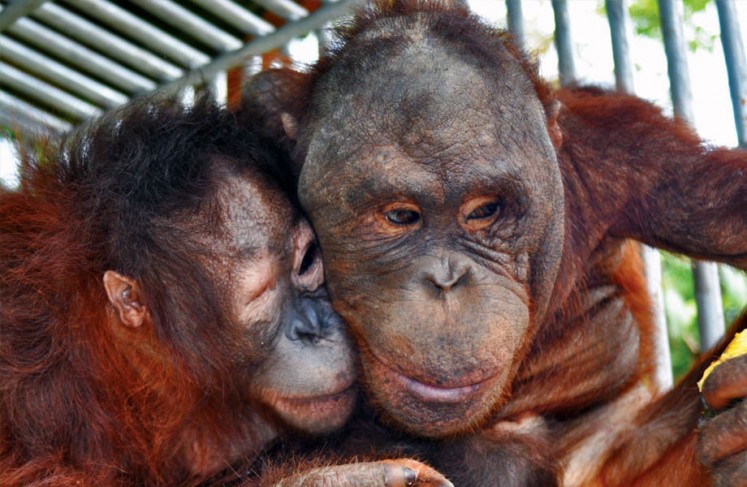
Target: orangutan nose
447 272
303 321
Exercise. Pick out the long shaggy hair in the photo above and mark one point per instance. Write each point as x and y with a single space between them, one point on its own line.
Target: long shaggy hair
82 400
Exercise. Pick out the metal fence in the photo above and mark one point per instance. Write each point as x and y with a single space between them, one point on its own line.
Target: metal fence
705 275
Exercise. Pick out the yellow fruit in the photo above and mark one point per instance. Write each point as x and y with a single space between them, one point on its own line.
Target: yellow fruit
737 347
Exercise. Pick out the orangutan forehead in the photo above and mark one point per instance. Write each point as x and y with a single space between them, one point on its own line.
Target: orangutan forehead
422 73
423 50
253 213
422 96
427 110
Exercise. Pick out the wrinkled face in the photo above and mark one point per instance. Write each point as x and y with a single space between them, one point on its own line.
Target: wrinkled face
437 199
289 342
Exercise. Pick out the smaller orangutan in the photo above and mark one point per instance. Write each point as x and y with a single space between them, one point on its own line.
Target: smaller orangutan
163 318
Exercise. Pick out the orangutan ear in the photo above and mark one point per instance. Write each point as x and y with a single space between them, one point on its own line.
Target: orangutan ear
125 295
272 102
290 125
553 127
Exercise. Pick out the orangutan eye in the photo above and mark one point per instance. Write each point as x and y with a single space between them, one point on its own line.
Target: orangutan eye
403 217
485 211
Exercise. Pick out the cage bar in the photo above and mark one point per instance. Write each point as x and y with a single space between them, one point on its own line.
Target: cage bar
736 65
564 43
705 274
516 22
619 22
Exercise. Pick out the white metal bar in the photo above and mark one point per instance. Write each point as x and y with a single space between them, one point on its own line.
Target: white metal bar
218 86
619 21
705 274
263 44
49 41
516 22
563 43
186 96
105 42
324 35
672 20
736 65
617 14
191 24
663 374
46 93
17 9
46 67
711 323
286 9
136 28
237 16
18 111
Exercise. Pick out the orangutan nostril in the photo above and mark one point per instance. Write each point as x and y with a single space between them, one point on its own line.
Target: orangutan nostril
309 258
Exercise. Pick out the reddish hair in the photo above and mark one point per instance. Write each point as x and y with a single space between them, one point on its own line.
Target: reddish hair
83 400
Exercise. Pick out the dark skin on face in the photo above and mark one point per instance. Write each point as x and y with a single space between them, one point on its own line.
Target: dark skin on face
284 335
286 341
444 246
164 318
473 224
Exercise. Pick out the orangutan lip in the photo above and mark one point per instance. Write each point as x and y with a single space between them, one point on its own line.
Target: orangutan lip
325 399
322 397
430 393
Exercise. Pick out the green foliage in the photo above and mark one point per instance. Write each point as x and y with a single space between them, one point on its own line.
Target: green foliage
679 296
646 22
681 311
645 17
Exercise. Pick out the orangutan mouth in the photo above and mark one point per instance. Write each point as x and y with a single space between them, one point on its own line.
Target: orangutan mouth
326 403
429 393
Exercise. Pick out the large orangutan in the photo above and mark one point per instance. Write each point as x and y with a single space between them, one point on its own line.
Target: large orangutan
474 225
163 317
